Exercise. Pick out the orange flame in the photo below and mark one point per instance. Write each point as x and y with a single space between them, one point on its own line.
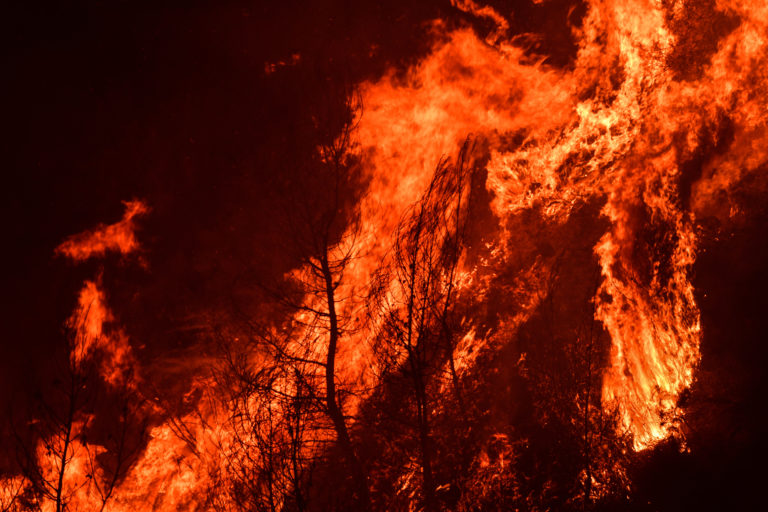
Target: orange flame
88 322
615 127
119 237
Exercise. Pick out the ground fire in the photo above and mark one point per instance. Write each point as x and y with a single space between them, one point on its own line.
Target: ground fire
461 256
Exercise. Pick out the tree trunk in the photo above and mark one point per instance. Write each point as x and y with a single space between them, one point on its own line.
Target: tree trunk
67 441
334 411
428 484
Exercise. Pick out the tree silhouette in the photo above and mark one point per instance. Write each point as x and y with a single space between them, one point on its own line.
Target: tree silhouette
268 458
54 454
416 295
297 372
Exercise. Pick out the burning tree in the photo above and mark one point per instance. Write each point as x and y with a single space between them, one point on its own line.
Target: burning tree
291 392
268 457
58 458
416 298
11 489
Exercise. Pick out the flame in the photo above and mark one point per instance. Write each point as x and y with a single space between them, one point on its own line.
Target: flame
89 322
169 476
67 471
616 127
11 487
119 237
92 314
76 481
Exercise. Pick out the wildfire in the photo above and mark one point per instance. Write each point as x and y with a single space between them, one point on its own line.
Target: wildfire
619 126
615 128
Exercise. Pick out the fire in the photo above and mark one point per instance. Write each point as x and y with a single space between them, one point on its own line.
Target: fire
617 128
119 237
92 316
89 320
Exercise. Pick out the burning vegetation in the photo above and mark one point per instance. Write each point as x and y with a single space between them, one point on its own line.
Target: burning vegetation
482 288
